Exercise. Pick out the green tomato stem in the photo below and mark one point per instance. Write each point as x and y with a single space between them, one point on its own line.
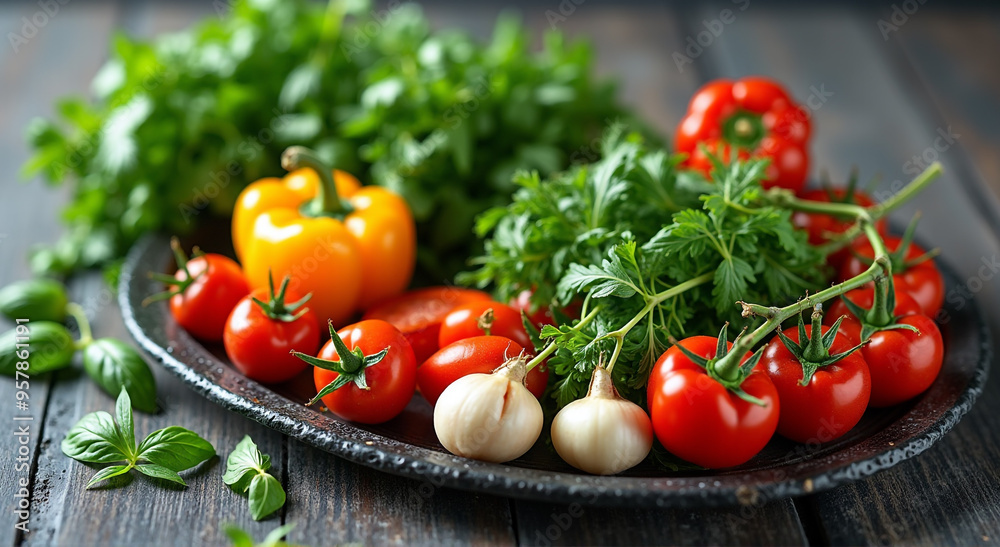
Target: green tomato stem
80 316
728 367
875 212
880 270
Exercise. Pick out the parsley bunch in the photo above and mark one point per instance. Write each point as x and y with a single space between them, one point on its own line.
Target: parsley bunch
654 253
178 126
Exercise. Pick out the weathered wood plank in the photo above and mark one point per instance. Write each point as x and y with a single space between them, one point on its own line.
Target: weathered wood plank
141 512
27 211
951 54
332 501
876 119
775 523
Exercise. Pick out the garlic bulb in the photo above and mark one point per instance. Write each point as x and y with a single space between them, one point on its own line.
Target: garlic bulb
489 417
602 433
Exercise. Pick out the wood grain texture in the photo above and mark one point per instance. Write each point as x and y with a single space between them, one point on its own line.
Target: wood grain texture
335 502
542 524
140 513
878 119
26 211
951 55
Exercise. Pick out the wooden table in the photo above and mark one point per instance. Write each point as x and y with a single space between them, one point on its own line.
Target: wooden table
878 100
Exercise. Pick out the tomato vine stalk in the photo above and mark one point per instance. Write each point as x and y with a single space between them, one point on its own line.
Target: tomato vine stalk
727 368
880 271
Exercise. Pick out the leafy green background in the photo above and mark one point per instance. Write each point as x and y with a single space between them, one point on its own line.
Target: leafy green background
178 126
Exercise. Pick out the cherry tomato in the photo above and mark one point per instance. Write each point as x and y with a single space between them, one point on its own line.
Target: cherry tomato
821 227
831 403
903 364
204 290
480 354
864 298
463 322
752 117
390 382
259 344
923 281
418 314
541 315
698 419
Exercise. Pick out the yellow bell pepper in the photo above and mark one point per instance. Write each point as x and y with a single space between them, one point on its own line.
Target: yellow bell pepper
348 245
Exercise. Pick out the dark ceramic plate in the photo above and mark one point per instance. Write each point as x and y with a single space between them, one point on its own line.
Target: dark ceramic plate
407 445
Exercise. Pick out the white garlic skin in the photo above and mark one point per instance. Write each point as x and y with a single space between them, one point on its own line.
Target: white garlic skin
488 417
602 433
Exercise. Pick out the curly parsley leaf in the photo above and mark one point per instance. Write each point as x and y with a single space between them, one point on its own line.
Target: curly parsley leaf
661 251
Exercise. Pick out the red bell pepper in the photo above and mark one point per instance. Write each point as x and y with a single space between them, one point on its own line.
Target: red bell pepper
753 117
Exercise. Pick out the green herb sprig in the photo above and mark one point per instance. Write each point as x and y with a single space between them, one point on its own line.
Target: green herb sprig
99 438
246 473
179 125
662 251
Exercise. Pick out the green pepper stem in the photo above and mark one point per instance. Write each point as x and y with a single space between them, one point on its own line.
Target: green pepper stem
80 316
327 201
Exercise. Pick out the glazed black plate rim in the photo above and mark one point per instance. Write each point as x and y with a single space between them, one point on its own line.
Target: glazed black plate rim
444 470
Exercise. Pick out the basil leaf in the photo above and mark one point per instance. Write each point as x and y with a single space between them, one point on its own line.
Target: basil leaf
107 473
175 448
95 439
160 472
113 364
35 299
123 413
266 496
244 461
50 347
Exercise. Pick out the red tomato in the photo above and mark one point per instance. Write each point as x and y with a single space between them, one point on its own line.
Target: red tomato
831 403
820 227
418 314
391 381
698 419
541 315
203 305
923 281
259 345
903 364
865 297
752 117
480 354
463 322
